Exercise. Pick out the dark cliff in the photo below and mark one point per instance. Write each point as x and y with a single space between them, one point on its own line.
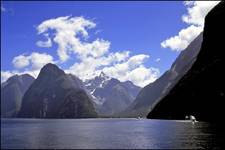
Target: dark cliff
153 92
200 92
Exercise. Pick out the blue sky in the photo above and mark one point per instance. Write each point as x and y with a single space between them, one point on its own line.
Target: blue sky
137 27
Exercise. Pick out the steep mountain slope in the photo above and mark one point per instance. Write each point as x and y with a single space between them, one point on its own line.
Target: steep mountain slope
77 83
12 92
111 95
200 92
118 96
56 95
153 92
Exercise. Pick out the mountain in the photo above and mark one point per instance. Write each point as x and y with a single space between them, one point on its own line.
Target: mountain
55 94
92 84
12 92
200 92
98 81
77 83
153 92
111 95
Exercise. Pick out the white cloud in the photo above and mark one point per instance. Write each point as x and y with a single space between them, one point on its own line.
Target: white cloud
47 43
158 60
35 60
142 76
183 39
20 61
68 32
27 64
92 66
5 75
133 70
38 60
117 65
92 57
196 12
89 57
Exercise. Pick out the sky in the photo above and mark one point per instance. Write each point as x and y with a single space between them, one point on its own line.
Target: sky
136 41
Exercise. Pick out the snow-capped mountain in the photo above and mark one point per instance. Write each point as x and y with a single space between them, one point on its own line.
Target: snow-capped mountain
98 82
110 95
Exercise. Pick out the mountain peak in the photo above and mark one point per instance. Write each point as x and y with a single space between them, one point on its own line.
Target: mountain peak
26 75
50 65
51 69
57 95
102 74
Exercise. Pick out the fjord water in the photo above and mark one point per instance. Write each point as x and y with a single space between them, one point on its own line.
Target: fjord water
108 133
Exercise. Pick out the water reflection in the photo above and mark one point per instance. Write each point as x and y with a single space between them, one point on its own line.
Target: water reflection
108 133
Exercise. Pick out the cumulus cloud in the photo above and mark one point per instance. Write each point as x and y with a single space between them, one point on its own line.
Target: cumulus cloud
5 75
89 58
117 65
183 39
91 66
71 35
133 70
27 64
20 61
68 33
35 60
196 12
142 76
47 43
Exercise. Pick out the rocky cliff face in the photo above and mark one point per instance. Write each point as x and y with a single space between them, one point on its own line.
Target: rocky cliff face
153 92
55 94
12 92
200 92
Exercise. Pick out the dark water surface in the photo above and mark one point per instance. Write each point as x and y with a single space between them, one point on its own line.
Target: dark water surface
108 133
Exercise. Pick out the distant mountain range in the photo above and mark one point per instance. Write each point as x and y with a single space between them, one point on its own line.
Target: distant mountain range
55 94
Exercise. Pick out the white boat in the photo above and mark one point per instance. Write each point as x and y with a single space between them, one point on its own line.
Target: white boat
191 118
139 118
